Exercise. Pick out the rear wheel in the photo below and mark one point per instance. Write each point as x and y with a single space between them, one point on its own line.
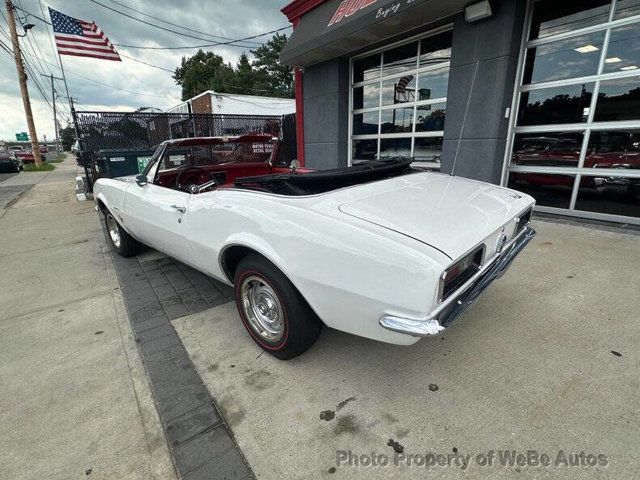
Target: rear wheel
123 243
274 313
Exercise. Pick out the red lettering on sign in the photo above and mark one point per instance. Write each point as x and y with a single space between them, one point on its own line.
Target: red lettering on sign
339 14
348 8
352 7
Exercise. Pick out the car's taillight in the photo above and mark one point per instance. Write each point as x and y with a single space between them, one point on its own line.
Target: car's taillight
461 271
523 221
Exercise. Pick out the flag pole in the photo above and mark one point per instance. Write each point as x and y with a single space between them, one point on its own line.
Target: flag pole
72 108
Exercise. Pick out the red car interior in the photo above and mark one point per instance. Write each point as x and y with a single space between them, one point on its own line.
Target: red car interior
226 161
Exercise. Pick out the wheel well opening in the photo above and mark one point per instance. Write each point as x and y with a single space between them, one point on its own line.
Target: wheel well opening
232 257
101 205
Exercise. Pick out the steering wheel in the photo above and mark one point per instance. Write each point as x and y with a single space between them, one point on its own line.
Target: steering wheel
201 172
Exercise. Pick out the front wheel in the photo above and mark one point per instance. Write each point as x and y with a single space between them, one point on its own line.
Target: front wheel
123 243
274 313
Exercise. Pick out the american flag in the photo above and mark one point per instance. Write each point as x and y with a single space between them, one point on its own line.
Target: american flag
80 38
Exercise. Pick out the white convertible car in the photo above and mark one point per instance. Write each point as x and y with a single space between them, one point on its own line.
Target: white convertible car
379 250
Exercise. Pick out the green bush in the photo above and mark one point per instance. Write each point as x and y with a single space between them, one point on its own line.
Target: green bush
46 167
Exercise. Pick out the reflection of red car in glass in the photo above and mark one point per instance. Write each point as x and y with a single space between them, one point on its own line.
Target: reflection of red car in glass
547 151
606 150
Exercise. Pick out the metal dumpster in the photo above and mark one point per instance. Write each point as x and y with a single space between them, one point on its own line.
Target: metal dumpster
120 163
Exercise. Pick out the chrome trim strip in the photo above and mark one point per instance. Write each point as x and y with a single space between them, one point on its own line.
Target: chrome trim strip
437 320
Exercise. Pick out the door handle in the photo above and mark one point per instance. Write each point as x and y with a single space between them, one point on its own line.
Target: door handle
179 208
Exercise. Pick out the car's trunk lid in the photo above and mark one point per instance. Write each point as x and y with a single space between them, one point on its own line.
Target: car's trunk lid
451 214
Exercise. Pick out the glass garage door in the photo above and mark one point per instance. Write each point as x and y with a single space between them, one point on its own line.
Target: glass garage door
398 101
574 141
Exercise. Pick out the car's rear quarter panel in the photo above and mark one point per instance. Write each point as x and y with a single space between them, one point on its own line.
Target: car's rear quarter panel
350 273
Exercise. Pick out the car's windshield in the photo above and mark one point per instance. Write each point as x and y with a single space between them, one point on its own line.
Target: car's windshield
225 153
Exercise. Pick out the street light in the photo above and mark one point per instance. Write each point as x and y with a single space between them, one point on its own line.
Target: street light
26 27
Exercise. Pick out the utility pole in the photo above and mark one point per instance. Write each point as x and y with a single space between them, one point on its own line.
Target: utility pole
53 98
22 79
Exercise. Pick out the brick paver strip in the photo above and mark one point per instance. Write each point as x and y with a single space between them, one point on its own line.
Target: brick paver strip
156 292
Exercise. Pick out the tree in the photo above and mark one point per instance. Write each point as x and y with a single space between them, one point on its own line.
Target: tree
67 137
246 76
273 76
203 71
265 75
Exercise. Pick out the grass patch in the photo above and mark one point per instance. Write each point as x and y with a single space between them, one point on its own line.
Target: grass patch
58 159
46 167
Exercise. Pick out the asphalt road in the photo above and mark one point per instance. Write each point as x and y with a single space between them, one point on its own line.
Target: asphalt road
6 176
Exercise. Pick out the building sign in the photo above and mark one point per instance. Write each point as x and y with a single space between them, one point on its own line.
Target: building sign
348 8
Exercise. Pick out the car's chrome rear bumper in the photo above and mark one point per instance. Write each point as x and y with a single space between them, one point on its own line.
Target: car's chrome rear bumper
441 317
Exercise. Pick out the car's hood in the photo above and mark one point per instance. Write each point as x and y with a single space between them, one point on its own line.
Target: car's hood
452 214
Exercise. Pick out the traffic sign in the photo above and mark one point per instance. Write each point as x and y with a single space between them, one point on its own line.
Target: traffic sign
22 137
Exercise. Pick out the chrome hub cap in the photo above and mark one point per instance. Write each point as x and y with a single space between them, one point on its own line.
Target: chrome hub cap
262 308
114 232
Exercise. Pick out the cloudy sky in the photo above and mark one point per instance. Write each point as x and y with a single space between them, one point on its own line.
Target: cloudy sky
153 87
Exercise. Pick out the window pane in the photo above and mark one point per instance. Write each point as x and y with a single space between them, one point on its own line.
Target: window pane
627 8
430 117
618 100
555 149
548 190
574 57
435 49
365 123
623 53
433 84
614 149
364 149
617 196
367 96
428 149
400 59
395 147
568 104
366 68
397 120
551 17
399 90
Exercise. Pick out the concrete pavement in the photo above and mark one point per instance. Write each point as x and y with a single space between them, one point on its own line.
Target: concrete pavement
546 360
75 399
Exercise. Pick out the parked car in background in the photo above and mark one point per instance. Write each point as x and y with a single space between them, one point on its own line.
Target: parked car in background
44 149
25 155
379 250
15 148
10 163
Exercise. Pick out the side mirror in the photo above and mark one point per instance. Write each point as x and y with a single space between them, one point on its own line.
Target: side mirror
141 179
294 165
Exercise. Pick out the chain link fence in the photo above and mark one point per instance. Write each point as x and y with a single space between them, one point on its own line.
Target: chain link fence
143 131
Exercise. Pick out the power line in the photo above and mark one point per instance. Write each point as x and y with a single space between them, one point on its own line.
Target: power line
230 43
145 63
174 24
27 64
147 23
112 86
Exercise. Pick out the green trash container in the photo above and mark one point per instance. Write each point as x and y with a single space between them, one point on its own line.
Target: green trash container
120 163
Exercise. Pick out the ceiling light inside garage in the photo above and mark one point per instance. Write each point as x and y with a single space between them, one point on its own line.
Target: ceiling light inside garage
630 67
587 49
612 60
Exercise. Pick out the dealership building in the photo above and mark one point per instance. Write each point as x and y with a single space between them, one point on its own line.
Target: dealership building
539 95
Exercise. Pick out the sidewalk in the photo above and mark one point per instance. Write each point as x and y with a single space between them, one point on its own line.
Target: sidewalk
75 399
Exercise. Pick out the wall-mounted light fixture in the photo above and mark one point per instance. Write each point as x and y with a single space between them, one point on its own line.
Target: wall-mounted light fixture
477 11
